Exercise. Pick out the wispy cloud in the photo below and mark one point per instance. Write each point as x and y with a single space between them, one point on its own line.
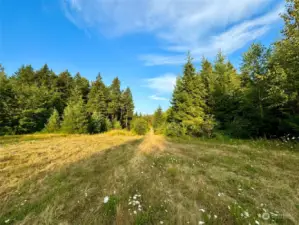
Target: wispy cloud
202 26
162 84
158 98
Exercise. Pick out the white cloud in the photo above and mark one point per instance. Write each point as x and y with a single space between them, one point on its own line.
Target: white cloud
162 84
203 26
155 97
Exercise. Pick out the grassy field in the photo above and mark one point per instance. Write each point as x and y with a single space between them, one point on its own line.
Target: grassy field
118 178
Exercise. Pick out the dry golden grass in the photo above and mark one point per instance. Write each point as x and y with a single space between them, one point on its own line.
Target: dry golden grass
27 159
68 180
152 143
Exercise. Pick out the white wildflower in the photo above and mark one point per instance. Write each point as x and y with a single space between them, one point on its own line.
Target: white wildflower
265 216
135 212
246 214
7 221
215 216
106 199
85 194
202 210
201 222
161 222
257 222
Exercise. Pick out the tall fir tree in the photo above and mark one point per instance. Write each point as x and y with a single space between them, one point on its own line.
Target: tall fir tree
188 100
114 100
158 119
97 98
127 108
82 84
75 119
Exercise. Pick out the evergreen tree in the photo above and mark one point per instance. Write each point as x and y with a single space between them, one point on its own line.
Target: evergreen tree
158 119
8 105
98 123
188 100
114 100
97 98
82 85
75 118
43 76
208 80
127 108
25 75
286 58
53 124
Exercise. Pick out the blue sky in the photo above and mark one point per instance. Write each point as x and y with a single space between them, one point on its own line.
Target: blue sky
143 42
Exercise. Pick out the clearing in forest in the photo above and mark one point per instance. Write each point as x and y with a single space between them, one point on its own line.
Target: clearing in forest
126 179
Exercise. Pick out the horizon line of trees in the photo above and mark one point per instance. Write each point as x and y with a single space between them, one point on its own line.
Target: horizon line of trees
260 101
40 100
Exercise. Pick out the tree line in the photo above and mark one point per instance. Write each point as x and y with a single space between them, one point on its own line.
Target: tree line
260 100
40 100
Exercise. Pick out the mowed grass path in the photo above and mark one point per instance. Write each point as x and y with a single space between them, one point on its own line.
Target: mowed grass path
148 180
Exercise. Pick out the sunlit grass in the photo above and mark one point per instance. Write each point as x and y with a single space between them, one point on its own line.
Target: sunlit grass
71 180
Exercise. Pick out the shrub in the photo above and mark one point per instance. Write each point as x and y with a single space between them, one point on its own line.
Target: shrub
208 126
97 123
116 124
108 124
140 126
175 130
75 120
53 124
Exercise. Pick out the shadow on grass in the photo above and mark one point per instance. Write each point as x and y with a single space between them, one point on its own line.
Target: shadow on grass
62 187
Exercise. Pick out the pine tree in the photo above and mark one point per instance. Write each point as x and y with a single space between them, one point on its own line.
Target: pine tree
286 57
208 80
127 108
53 124
188 101
43 76
98 123
114 100
97 97
25 75
158 118
8 105
75 118
81 84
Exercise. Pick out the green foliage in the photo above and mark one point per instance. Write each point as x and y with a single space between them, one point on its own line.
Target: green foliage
53 124
158 120
98 123
127 108
116 124
188 100
114 99
75 118
175 130
140 126
28 98
97 99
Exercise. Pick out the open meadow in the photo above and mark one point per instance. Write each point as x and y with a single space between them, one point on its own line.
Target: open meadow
119 178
